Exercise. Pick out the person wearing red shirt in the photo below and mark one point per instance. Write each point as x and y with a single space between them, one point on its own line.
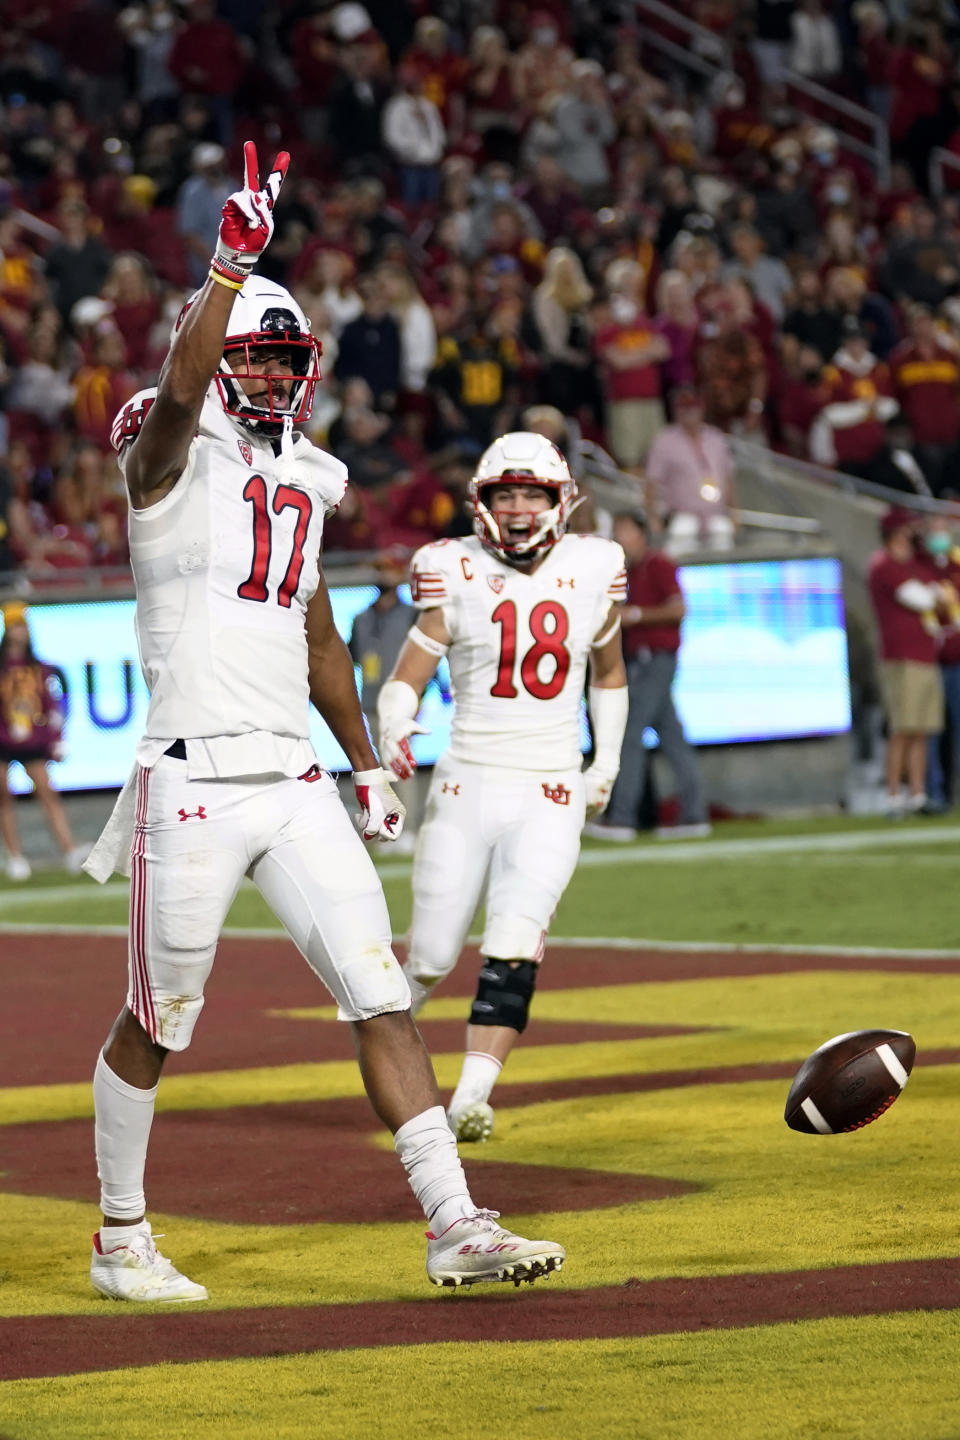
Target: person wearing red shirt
905 597
943 558
630 350
926 378
849 433
206 59
651 638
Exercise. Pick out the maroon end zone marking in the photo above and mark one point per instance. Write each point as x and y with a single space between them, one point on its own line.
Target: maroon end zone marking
32 1346
83 977
301 1151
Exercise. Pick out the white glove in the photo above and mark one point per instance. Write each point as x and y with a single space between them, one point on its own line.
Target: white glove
246 224
397 708
598 784
381 813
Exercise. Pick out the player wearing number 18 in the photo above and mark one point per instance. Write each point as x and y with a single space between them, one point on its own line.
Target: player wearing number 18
520 609
236 639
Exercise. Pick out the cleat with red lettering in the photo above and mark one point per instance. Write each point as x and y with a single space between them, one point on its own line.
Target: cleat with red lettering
476 1249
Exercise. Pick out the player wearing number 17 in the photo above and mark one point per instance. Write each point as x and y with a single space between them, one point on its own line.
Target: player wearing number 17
520 610
236 640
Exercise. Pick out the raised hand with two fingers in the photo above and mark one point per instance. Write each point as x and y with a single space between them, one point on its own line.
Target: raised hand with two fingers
246 223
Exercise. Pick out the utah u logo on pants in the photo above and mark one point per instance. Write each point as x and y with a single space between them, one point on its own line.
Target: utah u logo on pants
559 794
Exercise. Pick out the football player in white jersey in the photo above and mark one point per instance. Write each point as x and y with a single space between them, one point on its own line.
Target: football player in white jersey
236 639
521 610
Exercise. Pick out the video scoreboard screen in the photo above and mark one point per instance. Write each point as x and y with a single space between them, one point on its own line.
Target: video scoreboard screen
763 657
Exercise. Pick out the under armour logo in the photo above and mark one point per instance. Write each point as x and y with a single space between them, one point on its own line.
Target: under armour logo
454 789
246 451
561 583
559 794
198 814
496 583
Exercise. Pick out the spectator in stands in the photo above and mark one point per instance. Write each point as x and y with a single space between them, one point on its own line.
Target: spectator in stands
847 296
732 371
443 68
208 59
200 200
40 390
585 128
357 100
926 378
79 262
473 381
815 50
630 352
678 321
810 322
562 327
372 463
689 476
801 396
101 386
418 333
943 787
768 277
31 725
849 431
131 289
923 264
491 99
554 202
773 34
905 599
543 65
895 467
432 505
370 345
651 639
414 134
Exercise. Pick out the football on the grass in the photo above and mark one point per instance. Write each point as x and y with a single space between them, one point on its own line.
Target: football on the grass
850 1081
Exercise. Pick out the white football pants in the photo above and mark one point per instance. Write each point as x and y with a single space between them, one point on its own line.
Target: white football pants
516 830
193 843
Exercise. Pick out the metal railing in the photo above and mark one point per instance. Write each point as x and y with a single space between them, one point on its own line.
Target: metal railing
876 150
940 161
704 44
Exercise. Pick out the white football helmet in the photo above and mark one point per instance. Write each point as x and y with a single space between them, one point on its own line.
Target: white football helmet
265 314
522 458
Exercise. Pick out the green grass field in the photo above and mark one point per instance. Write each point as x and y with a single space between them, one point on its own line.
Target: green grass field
754 882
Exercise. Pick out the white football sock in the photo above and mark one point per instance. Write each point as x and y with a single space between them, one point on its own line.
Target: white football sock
124 1115
478 1076
428 1151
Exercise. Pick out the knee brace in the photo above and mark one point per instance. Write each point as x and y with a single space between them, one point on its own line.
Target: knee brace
504 992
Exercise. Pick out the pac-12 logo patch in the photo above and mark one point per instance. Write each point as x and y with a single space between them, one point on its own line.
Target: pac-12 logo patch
496 583
246 451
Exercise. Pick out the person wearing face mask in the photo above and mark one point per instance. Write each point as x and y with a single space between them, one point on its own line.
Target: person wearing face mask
905 595
630 351
943 556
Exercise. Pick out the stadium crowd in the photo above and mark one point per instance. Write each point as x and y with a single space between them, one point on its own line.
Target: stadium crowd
495 209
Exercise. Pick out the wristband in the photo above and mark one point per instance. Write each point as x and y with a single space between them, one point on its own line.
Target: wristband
222 280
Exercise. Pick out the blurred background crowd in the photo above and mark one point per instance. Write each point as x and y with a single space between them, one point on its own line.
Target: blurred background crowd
498 212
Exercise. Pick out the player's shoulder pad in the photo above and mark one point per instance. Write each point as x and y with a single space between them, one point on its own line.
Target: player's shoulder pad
434 572
594 555
130 417
323 471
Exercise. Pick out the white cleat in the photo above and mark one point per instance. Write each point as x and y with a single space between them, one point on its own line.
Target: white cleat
135 1270
476 1249
18 868
472 1122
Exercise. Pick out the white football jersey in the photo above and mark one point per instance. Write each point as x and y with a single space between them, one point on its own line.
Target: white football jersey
520 644
225 565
